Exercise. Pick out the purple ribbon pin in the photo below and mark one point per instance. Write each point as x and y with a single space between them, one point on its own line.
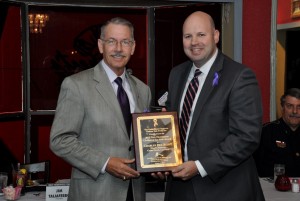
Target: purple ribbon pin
216 80
146 110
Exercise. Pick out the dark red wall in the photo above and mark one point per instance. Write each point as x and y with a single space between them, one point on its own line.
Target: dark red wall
284 12
10 61
256 45
12 134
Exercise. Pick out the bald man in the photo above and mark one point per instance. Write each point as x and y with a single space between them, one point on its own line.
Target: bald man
222 128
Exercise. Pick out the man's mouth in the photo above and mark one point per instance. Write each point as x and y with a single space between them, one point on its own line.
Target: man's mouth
118 55
294 116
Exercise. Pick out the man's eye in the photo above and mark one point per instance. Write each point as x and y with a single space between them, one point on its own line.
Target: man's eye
125 42
111 42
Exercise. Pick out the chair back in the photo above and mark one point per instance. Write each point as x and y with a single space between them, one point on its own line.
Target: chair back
39 172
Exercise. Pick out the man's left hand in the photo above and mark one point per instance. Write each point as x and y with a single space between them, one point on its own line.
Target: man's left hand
186 170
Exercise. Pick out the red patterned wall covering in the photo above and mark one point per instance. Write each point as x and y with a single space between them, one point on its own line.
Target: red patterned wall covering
256 45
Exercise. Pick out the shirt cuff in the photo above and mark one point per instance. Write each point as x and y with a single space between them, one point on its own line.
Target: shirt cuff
201 169
104 167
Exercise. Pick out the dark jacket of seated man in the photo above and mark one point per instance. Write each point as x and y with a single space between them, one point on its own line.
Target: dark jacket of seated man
280 139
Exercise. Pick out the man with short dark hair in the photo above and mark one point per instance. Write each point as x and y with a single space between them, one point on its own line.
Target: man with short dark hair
280 139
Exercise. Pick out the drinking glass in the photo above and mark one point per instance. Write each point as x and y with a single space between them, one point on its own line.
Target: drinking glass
3 181
279 169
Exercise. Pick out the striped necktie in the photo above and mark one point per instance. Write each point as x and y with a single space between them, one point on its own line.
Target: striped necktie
188 104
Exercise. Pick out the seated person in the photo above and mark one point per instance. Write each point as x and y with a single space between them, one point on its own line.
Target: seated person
280 139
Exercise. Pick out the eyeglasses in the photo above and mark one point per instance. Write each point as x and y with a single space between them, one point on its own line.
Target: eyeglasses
113 42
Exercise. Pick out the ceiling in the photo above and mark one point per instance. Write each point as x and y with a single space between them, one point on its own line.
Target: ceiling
104 3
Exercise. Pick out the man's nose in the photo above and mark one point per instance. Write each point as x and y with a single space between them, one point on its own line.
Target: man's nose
295 110
118 46
194 40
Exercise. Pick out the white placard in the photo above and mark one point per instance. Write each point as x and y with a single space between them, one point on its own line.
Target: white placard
56 192
162 100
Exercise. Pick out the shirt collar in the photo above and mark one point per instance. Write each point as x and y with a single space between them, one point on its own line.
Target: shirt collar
111 75
206 67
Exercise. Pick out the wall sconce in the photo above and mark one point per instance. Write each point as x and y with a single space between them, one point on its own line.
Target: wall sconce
37 22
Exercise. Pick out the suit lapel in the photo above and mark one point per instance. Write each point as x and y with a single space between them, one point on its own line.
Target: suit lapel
136 95
106 91
135 92
207 88
182 82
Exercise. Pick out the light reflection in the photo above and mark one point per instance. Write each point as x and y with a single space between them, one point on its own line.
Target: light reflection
37 22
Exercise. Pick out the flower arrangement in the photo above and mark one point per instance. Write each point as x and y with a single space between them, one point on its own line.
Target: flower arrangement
11 193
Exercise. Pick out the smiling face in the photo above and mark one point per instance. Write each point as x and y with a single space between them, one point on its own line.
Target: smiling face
291 112
116 56
199 38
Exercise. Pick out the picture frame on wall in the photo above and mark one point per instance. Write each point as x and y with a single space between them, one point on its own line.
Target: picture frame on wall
295 8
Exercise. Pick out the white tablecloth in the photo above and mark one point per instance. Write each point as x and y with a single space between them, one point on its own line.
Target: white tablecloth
271 194
30 196
40 196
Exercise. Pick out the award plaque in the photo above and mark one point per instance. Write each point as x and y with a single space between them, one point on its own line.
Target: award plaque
156 141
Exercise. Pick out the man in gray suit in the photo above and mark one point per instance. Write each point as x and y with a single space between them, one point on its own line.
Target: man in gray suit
222 123
89 130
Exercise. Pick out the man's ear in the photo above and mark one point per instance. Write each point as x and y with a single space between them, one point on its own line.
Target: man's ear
133 48
100 45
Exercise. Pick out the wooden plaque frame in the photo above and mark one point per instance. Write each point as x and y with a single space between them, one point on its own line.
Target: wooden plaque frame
156 141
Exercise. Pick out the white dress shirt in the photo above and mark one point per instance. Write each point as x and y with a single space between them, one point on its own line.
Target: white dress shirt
112 76
202 77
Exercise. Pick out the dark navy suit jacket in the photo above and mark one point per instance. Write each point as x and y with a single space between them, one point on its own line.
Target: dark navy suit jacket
225 131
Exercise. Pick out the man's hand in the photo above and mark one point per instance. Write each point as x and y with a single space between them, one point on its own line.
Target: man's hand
118 167
160 175
186 170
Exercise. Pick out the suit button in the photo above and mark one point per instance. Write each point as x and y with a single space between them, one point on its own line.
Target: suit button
129 149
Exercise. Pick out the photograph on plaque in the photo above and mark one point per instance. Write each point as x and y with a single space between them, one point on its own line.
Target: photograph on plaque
156 141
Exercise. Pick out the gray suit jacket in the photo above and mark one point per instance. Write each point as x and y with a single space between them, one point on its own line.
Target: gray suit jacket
89 128
225 131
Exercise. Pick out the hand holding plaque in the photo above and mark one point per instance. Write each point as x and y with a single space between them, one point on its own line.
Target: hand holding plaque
156 141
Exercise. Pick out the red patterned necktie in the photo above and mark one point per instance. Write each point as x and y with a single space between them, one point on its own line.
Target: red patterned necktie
124 104
188 103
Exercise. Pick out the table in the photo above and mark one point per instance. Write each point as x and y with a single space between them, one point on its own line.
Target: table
41 196
271 194
30 196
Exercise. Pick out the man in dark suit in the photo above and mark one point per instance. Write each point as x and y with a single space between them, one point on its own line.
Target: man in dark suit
280 139
224 123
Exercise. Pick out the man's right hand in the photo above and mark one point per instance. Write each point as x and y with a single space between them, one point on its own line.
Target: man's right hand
118 167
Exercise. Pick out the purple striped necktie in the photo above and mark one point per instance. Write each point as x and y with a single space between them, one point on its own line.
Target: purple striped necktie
188 104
